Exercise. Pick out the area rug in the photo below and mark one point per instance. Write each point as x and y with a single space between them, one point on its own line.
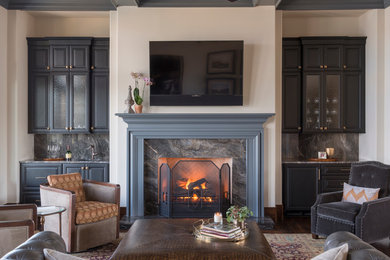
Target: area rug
295 246
284 246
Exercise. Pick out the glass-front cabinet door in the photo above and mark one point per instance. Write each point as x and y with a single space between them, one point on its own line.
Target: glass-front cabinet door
59 101
312 101
79 102
332 107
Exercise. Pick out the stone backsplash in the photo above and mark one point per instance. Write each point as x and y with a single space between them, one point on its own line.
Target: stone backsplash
193 148
306 146
79 145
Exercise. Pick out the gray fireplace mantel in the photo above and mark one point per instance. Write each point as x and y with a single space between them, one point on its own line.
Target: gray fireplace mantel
248 126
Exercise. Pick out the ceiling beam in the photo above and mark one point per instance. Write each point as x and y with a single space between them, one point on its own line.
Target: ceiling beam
195 3
331 4
61 5
4 3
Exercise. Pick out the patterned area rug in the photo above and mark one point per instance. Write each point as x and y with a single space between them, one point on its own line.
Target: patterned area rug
295 246
284 246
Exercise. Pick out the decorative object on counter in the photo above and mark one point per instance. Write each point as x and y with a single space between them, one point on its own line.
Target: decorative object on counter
130 102
330 152
218 217
238 215
138 97
68 154
52 150
322 155
209 231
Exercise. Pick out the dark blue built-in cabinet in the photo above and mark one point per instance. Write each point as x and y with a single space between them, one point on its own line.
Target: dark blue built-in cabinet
68 85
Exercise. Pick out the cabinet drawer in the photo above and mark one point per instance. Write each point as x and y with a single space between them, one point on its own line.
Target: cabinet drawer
333 183
34 175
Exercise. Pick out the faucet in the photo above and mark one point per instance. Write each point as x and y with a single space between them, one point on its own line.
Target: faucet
93 154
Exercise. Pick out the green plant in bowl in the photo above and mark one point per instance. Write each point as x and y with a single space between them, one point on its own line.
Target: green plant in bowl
237 214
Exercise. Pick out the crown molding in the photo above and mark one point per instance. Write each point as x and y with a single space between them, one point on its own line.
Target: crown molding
4 3
61 5
331 4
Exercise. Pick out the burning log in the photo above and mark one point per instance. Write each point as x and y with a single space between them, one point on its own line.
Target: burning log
197 184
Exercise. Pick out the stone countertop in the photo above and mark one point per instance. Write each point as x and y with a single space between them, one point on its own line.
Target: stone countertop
84 161
292 161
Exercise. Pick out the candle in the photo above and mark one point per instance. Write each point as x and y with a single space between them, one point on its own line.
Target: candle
218 217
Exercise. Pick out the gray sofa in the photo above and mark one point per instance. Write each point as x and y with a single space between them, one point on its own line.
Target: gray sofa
357 248
369 221
33 248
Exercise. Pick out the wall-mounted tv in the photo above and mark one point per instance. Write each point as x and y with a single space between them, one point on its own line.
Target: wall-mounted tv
196 73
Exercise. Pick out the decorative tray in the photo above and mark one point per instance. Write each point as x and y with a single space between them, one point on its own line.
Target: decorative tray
323 160
242 234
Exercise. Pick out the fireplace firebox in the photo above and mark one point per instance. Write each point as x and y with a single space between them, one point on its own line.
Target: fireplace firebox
194 187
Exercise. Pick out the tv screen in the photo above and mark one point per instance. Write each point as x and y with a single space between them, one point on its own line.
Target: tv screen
196 73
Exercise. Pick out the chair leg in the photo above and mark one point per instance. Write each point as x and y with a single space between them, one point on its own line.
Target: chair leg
314 236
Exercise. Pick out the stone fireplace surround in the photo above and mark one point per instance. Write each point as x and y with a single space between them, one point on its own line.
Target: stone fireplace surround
248 126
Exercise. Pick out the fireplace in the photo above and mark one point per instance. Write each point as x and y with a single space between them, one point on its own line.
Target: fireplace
194 187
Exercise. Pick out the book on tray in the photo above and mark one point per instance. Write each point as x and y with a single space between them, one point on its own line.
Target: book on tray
222 231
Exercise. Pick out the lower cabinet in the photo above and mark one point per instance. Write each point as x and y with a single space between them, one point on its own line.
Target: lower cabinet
300 187
302 182
33 174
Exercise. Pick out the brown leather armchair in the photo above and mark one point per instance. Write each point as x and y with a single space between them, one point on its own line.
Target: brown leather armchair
78 232
17 224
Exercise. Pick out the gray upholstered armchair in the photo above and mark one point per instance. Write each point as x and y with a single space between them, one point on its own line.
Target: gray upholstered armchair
92 211
369 221
17 224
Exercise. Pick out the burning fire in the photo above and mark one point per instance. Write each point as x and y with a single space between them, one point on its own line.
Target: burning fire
184 184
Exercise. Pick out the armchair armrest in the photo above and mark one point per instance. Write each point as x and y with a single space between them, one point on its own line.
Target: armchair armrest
18 212
56 197
372 222
102 191
19 223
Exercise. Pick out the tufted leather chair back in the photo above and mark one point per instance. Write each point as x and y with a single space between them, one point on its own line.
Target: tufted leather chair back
371 175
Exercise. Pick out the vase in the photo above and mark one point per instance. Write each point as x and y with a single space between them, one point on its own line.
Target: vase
138 109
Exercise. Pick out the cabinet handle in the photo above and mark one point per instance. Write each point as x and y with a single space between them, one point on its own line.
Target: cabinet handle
92 128
86 168
326 66
299 128
38 178
319 174
299 67
321 66
70 128
82 168
344 127
66 128
321 128
345 66
66 67
37 200
92 67
70 67
325 128
48 67
48 128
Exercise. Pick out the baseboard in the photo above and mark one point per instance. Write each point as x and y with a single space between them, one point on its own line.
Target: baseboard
276 213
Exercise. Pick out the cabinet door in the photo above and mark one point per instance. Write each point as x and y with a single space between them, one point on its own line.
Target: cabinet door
292 58
353 103
292 102
59 100
332 101
39 102
34 174
353 57
73 168
300 186
312 101
333 57
79 58
60 57
100 102
39 58
79 102
312 57
100 57
98 172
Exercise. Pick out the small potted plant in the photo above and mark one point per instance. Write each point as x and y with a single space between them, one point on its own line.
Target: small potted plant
138 97
238 215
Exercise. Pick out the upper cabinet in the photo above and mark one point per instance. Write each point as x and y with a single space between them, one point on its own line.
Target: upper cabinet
60 90
332 77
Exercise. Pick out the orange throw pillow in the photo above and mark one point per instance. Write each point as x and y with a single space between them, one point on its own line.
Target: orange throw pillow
69 182
359 195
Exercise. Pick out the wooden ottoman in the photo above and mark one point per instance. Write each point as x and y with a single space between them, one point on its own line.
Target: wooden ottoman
173 239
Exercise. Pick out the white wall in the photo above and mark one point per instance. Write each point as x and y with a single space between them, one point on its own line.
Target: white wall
131 30
386 96
3 105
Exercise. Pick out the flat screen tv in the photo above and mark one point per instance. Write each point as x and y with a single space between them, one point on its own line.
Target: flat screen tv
196 73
